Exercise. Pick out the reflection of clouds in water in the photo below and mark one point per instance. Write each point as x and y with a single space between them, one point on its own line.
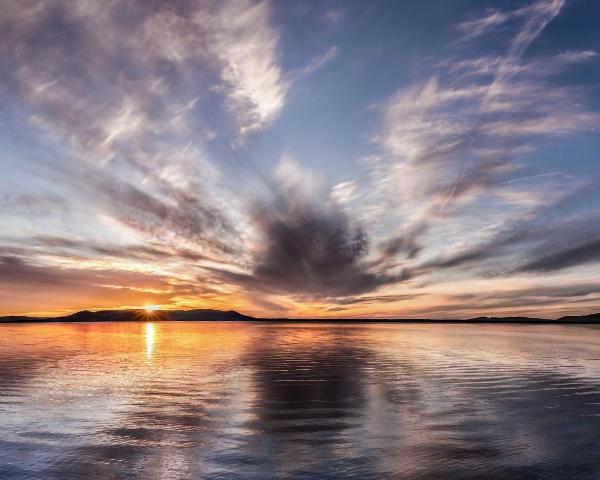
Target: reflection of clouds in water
299 401
309 384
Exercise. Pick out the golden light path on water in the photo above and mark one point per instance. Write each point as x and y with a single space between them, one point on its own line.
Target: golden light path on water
149 336
174 400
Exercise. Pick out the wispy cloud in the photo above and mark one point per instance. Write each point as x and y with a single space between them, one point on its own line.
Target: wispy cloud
127 87
536 15
458 138
320 60
107 73
247 46
536 242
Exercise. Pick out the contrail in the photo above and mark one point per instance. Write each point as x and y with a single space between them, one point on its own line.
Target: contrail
546 12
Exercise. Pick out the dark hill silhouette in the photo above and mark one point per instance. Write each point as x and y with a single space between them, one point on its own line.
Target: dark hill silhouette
592 318
233 316
136 316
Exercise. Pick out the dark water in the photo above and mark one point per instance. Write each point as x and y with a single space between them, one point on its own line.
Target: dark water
247 401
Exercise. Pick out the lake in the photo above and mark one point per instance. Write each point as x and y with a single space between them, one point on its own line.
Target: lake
299 401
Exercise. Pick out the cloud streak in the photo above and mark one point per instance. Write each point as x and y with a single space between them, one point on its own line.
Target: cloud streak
459 138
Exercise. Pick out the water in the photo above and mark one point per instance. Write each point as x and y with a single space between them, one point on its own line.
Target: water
312 401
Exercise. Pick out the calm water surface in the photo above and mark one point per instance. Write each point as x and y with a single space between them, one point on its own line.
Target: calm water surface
251 401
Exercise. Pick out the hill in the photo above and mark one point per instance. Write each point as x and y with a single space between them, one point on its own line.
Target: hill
136 316
233 316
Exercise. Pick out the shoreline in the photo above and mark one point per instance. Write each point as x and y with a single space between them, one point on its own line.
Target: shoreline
323 321
210 315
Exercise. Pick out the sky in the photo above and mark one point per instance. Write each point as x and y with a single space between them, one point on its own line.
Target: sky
393 159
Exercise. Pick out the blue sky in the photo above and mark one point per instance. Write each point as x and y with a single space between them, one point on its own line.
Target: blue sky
391 159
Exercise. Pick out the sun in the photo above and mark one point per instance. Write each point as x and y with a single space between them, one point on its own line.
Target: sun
151 308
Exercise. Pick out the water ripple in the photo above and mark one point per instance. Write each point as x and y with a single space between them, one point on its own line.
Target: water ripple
251 401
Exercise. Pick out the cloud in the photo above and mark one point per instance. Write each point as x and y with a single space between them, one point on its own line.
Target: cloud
152 61
376 299
577 56
132 93
125 89
459 139
73 275
180 216
36 204
247 46
407 242
27 287
476 27
17 270
306 245
536 16
321 60
582 253
539 291
440 155
89 249
541 241
543 296
421 122
342 192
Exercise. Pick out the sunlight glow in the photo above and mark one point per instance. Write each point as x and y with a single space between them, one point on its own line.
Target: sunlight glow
151 308
149 334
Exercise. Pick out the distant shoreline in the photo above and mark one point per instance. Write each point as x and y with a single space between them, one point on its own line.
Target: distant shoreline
205 315
333 321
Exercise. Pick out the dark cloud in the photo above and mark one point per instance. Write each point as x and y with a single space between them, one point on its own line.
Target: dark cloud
407 242
551 299
127 251
587 252
336 309
187 216
545 238
550 293
40 204
87 248
16 271
184 218
476 255
308 246
375 299
311 249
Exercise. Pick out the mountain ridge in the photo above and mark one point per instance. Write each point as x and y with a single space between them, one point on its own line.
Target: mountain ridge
140 315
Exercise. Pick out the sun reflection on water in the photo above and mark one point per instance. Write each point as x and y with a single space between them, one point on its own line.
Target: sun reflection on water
149 336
